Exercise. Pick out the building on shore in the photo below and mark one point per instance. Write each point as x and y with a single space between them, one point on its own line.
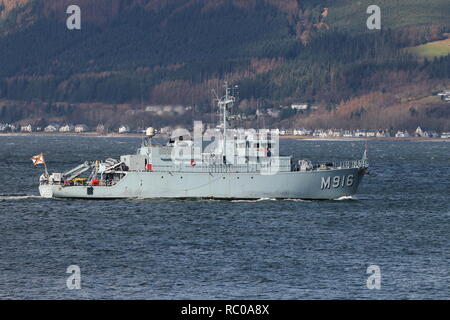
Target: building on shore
80 128
302 132
101 129
299 106
383 134
124 129
402 134
67 128
425 133
445 95
27 128
54 127
347 134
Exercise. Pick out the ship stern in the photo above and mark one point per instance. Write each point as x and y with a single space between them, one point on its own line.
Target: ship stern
46 191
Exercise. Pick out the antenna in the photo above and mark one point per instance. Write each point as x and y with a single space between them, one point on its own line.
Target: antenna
257 114
142 96
213 99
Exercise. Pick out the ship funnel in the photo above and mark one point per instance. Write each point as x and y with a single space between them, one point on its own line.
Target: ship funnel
150 132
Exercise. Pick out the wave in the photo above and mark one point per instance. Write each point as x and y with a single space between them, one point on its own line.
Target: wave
344 198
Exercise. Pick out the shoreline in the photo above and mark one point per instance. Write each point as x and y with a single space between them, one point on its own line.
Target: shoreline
289 137
409 139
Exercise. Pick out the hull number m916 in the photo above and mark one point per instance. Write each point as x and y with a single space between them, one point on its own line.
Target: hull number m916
337 181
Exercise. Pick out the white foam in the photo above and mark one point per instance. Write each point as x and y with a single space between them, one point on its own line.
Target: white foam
254 200
297 200
21 197
266 199
344 198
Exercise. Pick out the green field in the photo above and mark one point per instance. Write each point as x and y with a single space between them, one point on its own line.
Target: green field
432 49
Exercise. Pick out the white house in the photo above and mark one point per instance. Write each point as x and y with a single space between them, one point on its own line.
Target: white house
52 127
101 128
426 133
336 133
79 128
124 129
28 128
67 128
347 134
360 133
301 132
299 106
318 133
402 134
445 135
6 127
371 133
383 134
445 95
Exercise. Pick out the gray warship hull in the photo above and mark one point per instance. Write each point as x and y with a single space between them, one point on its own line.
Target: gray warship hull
315 185
240 164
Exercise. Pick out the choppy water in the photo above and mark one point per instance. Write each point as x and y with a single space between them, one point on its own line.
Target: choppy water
266 249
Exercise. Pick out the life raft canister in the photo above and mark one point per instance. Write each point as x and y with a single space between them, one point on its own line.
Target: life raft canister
95 182
149 167
193 163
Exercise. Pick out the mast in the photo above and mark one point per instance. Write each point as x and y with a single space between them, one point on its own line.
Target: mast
225 125
223 104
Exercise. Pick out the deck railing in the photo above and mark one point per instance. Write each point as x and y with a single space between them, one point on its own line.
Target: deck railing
225 168
351 164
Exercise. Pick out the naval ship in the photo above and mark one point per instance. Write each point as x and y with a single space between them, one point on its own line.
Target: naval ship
236 165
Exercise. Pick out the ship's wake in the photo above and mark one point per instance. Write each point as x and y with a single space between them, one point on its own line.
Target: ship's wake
5 197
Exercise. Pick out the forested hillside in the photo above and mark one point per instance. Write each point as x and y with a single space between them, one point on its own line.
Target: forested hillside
130 54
